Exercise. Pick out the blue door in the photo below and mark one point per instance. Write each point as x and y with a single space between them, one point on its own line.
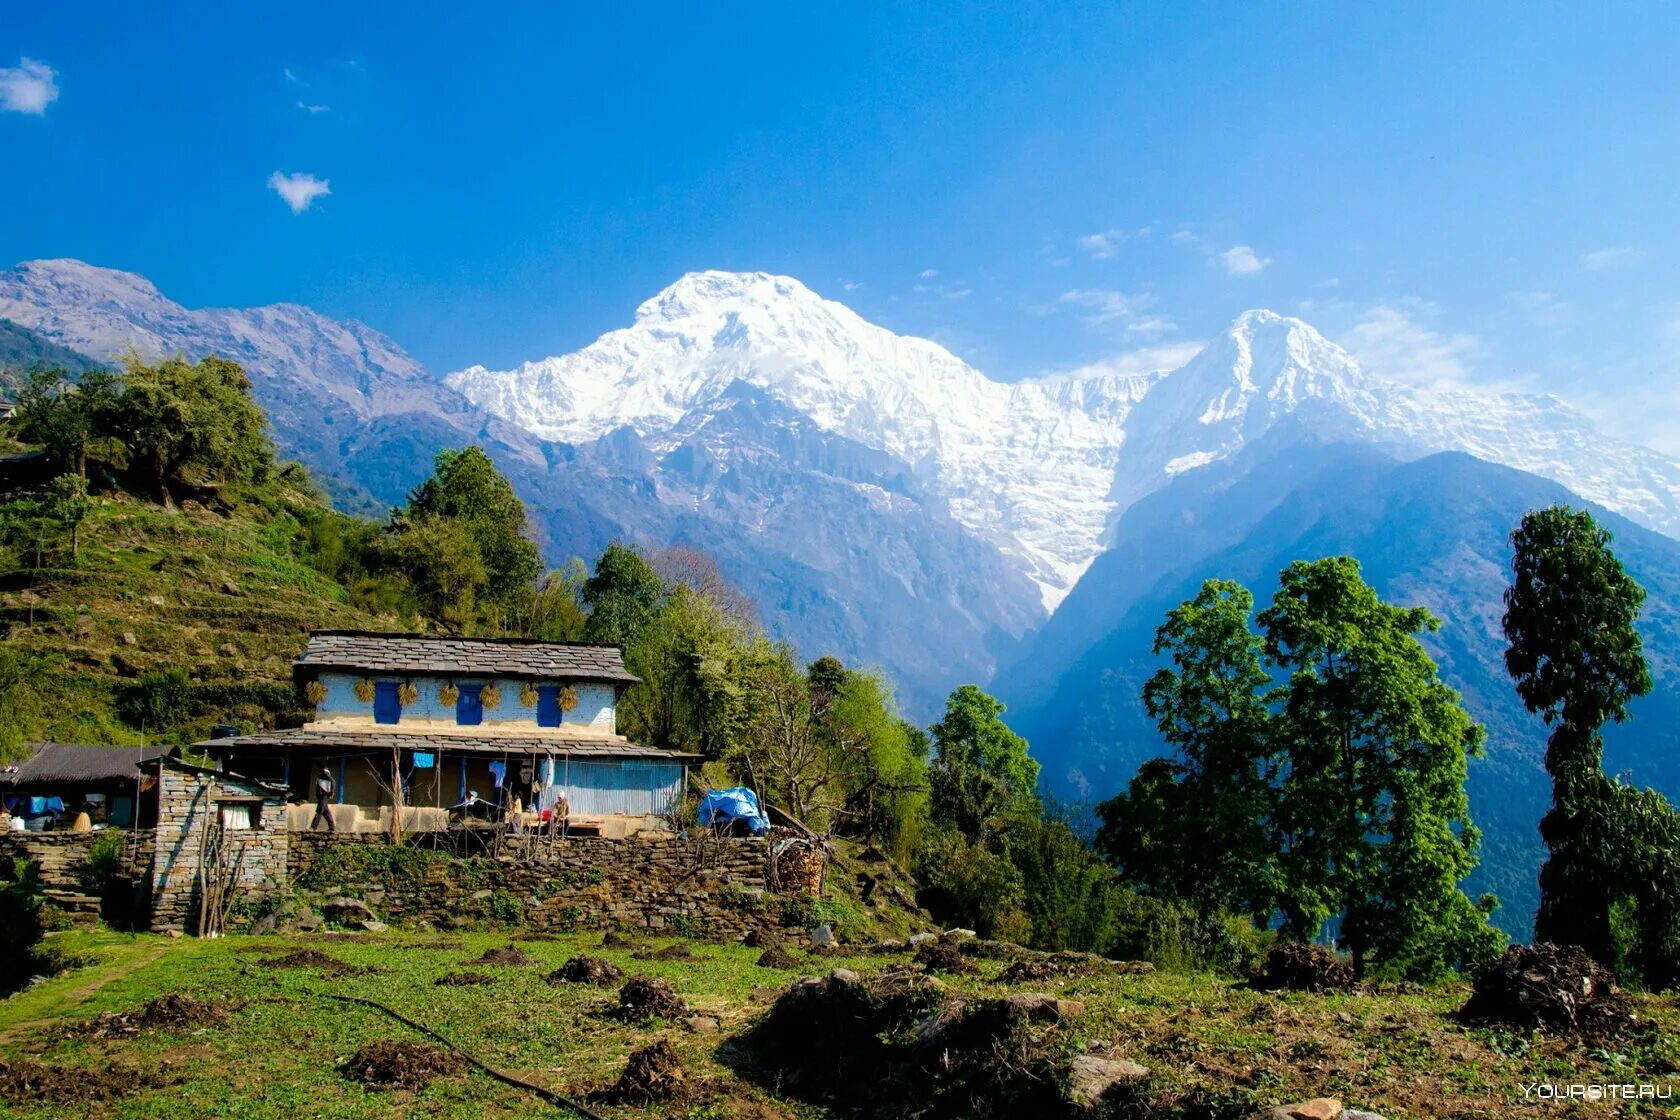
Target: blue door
548 705
387 704
469 706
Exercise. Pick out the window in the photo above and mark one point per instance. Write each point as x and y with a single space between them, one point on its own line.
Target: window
548 705
239 814
469 706
387 702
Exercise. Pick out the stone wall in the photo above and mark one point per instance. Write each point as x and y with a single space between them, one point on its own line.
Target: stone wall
189 801
702 887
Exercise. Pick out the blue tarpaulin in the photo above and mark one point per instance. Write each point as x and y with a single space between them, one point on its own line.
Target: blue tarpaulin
722 806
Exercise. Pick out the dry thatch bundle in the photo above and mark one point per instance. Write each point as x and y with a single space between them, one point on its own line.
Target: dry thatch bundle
364 691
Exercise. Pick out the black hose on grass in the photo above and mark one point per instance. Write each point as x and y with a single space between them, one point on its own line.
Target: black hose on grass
548 1095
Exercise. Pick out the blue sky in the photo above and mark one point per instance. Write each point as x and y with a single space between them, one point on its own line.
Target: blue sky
1469 193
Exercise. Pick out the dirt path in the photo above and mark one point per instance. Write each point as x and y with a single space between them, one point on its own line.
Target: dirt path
80 992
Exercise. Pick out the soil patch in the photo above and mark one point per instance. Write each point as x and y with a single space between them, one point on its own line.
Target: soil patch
1301 968
1559 988
389 1064
509 956
942 956
28 1080
465 979
612 939
170 1013
308 958
677 952
645 997
760 938
777 957
586 970
653 1074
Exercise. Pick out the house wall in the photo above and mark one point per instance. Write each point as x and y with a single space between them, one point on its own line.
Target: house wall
595 706
632 787
187 802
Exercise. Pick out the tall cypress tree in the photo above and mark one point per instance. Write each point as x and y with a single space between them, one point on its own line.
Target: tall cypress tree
1577 661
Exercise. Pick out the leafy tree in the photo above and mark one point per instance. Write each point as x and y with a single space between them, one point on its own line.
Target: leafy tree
1373 813
444 568
1197 827
622 595
1577 661
69 504
64 418
1070 894
176 417
157 701
982 769
557 613
787 752
465 487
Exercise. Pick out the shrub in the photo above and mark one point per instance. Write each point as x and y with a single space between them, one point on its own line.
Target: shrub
157 701
104 863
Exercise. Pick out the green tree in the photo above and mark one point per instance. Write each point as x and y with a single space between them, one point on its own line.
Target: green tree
66 419
1373 813
443 567
177 418
981 769
465 487
1577 661
557 613
622 594
69 504
1197 827
883 766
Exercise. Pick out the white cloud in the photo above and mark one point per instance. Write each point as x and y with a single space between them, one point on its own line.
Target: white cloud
1545 309
28 87
298 189
928 273
1390 341
1609 257
1105 245
849 285
1109 310
308 108
290 75
1241 260
1144 359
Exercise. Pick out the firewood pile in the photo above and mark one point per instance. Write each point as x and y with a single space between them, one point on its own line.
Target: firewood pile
798 865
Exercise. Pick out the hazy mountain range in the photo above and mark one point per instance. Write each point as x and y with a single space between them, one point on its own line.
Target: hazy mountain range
883 499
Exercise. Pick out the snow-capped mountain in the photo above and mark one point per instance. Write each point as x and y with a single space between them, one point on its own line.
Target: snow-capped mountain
1023 466
1040 468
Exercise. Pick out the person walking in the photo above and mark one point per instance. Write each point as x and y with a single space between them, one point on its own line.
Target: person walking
324 787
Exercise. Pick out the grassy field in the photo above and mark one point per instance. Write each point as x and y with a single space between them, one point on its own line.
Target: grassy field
1215 1049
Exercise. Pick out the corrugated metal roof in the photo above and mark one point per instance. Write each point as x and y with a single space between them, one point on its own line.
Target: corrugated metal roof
360 651
80 762
352 742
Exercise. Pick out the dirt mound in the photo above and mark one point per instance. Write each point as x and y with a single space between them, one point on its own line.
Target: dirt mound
760 938
464 979
509 957
653 1073
943 956
29 1080
170 1013
677 952
389 1064
1301 968
586 970
308 958
776 957
1558 988
612 939
864 1046
645 997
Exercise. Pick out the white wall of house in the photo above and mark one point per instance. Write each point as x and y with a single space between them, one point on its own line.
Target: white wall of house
595 706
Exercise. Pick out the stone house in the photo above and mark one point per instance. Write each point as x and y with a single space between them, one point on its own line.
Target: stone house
460 728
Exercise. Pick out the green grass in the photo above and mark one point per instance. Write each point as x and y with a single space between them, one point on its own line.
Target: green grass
1401 1055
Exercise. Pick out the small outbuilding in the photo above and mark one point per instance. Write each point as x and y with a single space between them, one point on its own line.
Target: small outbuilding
58 782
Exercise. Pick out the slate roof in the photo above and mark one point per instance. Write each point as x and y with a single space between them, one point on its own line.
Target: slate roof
72 763
360 651
382 742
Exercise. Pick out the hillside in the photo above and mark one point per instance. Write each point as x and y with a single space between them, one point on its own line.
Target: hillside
227 595
22 350
278 1040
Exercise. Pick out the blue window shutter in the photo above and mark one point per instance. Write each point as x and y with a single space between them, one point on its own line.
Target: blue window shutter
387 704
548 705
469 706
